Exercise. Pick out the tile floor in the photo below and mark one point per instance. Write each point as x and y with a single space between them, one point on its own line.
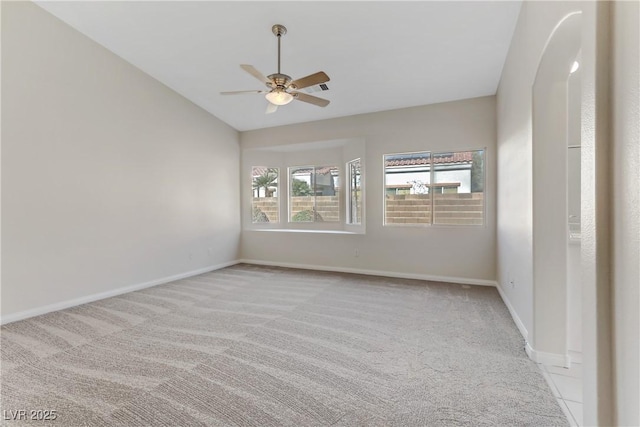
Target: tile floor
566 385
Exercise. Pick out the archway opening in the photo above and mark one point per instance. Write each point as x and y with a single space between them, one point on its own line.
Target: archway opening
552 127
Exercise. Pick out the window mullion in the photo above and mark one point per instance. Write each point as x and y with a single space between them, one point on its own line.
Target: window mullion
431 182
314 183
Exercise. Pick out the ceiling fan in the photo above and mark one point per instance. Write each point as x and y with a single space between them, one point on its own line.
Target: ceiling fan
282 89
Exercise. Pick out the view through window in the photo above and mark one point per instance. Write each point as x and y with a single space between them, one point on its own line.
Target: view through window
434 188
407 188
314 194
354 204
264 201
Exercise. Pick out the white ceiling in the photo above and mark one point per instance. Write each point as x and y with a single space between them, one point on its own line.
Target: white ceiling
379 55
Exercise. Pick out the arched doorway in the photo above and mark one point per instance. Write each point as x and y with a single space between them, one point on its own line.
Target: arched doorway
551 130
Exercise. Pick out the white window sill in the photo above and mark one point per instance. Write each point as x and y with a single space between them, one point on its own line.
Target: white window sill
289 230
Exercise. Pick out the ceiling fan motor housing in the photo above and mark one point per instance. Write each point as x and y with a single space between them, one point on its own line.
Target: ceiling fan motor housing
279 81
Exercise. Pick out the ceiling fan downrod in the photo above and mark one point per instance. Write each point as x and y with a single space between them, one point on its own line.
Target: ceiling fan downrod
279 31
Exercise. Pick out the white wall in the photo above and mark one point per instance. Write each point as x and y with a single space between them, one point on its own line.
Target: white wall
609 180
626 210
598 395
515 152
109 178
454 252
574 284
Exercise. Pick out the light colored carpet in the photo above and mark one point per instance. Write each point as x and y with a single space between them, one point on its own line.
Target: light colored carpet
258 346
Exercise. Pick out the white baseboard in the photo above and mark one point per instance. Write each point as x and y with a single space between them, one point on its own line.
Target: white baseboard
514 315
461 280
108 294
575 356
549 359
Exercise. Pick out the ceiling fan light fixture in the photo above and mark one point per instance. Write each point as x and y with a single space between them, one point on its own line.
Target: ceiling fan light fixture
279 97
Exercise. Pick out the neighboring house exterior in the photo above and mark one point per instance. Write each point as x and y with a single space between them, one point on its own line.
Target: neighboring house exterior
404 174
411 173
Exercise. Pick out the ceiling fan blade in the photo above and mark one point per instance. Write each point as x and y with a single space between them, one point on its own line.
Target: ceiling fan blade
255 73
310 99
271 108
238 92
310 80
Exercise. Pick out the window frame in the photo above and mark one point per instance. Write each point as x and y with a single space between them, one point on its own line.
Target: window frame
348 191
432 171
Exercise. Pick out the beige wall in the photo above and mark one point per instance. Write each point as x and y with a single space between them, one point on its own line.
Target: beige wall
109 178
466 252
625 97
515 152
610 164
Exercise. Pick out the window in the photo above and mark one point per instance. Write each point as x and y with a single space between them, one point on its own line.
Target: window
354 192
407 192
434 188
301 187
314 194
458 189
264 202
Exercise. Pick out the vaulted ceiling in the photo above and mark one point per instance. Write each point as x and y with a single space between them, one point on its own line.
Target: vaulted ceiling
379 55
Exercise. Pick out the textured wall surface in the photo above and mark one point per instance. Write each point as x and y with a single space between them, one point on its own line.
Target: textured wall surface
109 178
515 152
626 209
